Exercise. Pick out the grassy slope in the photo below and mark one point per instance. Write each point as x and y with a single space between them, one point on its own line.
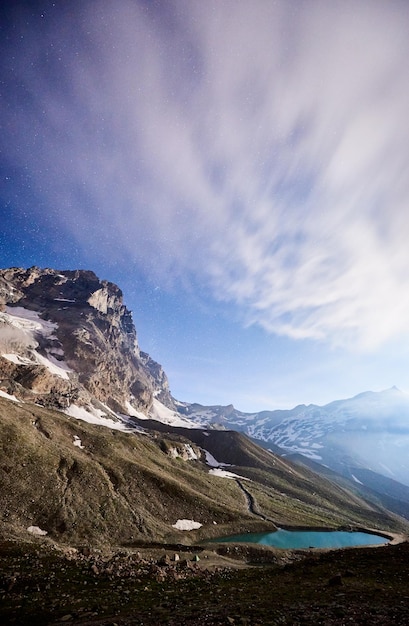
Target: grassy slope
289 494
375 488
122 489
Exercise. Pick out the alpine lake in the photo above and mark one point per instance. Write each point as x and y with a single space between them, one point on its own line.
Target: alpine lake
304 539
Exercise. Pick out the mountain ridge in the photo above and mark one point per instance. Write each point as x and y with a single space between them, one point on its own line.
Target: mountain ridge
372 429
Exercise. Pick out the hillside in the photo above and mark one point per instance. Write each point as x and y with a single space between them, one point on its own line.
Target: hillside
82 483
93 450
374 487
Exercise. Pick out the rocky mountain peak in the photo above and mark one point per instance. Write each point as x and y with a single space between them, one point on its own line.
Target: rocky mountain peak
90 336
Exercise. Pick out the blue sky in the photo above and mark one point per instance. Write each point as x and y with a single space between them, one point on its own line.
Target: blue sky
240 169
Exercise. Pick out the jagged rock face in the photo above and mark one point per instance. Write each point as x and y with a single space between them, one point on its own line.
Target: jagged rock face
162 391
94 335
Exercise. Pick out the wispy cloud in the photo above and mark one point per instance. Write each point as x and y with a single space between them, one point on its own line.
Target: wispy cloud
260 150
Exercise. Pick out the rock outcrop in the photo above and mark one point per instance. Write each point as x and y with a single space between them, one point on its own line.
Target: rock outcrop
80 324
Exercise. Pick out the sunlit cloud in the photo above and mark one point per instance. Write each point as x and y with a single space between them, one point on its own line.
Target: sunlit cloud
257 150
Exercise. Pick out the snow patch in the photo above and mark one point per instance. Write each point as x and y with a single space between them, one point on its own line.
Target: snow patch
161 413
356 480
31 324
56 352
189 455
36 530
133 412
186 524
58 368
17 359
3 394
78 443
29 321
211 461
223 474
95 416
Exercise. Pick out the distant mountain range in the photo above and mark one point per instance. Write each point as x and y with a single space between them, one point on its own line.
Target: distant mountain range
70 364
369 431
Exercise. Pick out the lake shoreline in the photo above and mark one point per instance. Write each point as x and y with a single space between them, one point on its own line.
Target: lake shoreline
302 538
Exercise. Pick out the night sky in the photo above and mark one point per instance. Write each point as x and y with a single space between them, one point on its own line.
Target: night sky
240 168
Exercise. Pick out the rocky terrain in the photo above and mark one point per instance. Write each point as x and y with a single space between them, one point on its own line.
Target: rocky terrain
81 325
42 586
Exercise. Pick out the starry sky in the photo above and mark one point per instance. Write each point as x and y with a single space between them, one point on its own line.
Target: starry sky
240 168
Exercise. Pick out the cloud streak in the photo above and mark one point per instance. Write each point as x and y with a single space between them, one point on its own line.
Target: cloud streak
260 151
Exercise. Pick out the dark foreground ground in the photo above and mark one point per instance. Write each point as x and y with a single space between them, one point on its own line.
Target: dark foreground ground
355 586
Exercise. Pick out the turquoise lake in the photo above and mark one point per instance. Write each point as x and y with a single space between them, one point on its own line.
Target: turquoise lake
308 539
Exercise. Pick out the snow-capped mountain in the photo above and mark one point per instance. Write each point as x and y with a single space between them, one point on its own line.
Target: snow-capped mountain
68 342
370 431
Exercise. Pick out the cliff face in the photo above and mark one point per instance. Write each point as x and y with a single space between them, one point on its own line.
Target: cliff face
81 325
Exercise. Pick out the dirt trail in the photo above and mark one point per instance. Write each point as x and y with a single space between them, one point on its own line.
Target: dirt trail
252 504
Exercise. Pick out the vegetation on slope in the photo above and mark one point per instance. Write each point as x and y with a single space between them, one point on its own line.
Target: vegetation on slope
120 488
125 489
